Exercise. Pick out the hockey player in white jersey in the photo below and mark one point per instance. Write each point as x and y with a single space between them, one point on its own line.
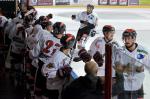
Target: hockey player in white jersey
88 20
133 81
57 70
3 21
97 48
47 46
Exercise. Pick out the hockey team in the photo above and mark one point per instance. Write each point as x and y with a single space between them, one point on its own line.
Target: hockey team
40 55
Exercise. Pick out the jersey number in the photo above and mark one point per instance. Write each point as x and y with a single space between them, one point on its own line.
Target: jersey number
49 44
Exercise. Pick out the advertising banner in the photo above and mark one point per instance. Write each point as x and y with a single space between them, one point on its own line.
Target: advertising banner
102 2
33 2
123 2
45 2
133 2
62 2
113 2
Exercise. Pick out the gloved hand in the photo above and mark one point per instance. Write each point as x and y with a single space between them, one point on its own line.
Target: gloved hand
84 22
84 55
98 58
73 17
64 72
77 59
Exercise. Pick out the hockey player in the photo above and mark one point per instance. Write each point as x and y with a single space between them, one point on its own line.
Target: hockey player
46 43
3 21
88 20
97 49
42 53
133 81
57 70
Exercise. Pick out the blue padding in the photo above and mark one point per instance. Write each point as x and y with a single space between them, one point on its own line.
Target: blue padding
74 75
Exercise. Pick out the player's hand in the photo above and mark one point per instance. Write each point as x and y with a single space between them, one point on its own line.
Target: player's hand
98 58
84 55
73 17
64 72
140 69
84 22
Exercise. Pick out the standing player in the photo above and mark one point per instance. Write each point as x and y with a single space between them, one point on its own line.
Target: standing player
46 47
97 48
57 70
3 21
88 20
133 81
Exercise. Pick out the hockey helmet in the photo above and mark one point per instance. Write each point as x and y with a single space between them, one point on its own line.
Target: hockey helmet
32 11
49 16
129 32
42 21
49 23
67 41
108 28
59 28
90 5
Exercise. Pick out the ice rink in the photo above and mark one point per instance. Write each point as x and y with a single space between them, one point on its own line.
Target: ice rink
120 18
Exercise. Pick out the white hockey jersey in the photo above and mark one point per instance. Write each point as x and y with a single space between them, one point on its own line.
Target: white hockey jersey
99 45
59 60
3 20
91 18
46 47
17 39
134 81
34 35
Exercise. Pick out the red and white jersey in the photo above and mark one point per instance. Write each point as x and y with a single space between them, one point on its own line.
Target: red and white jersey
134 81
59 60
34 35
99 45
3 20
46 47
12 23
91 18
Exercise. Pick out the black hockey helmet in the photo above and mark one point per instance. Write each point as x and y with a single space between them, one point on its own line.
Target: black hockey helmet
31 11
67 41
49 23
42 21
129 32
59 28
50 16
90 5
108 28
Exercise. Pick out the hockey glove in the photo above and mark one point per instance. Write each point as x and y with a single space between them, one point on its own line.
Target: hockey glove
73 17
84 55
98 59
77 59
84 22
64 72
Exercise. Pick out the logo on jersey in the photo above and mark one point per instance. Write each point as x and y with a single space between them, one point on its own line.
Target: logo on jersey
140 56
98 43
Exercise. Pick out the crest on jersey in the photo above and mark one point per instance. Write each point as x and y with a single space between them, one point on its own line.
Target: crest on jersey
140 56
